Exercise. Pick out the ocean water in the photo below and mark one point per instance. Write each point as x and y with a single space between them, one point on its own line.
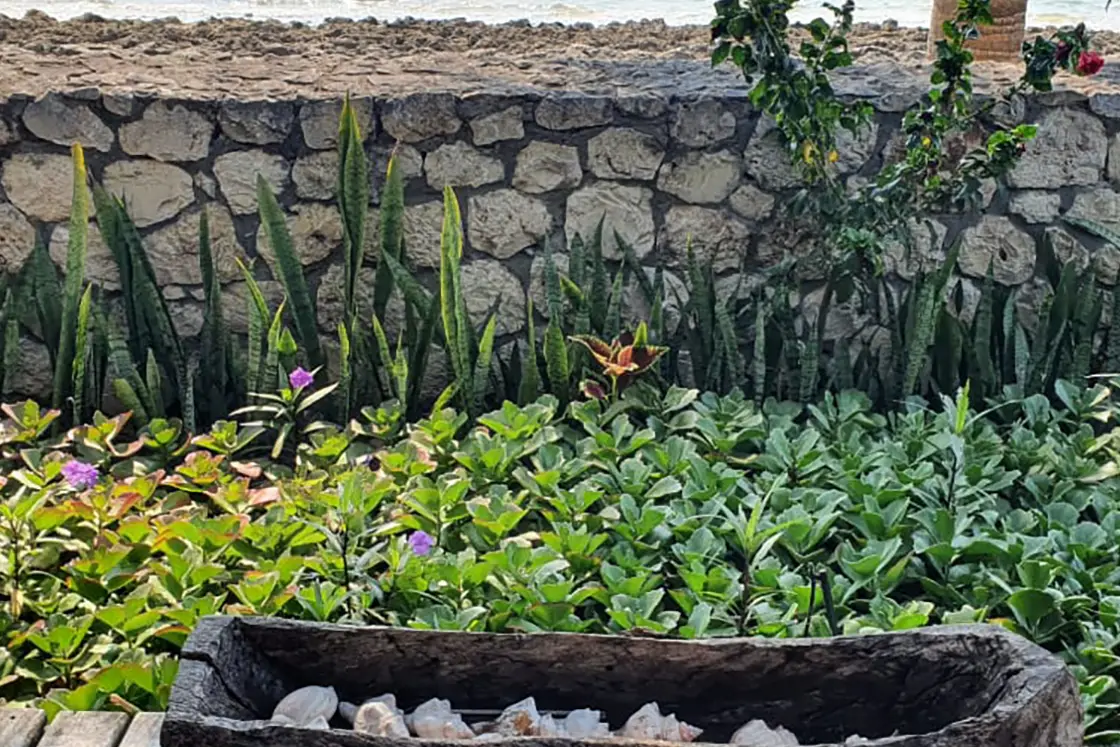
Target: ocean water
906 12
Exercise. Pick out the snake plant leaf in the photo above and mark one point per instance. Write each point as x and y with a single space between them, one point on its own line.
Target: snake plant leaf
73 280
290 271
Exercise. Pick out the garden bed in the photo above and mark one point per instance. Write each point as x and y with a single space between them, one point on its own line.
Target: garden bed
957 686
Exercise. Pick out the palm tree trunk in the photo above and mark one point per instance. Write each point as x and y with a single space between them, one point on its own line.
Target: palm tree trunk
1002 41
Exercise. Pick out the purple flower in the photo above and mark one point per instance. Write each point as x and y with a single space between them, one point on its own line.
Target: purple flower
79 474
421 542
301 378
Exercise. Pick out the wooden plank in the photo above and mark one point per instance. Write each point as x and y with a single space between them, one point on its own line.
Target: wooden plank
85 729
21 727
143 731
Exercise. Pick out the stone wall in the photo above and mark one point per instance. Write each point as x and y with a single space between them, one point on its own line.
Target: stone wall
662 162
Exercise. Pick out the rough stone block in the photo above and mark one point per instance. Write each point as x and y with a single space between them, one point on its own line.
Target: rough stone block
1070 149
120 104
925 254
423 223
330 299
703 122
257 122
1114 160
459 165
1065 248
545 167
173 249
319 120
237 176
717 237
701 177
168 132
316 176
236 299
8 134
642 105
57 120
152 191
624 154
420 117
504 222
573 112
31 379
767 160
1035 206
752 203
622 208
996 240
17 239
507 124
486 283
39 184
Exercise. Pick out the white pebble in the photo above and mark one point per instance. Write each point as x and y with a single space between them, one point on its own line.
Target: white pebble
434 720
318 723
585 723
757 734
522 719
377 718
306 705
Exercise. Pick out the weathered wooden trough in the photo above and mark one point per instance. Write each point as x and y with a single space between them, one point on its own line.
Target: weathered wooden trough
960 686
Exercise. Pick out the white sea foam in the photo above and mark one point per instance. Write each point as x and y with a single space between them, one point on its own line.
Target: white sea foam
906 12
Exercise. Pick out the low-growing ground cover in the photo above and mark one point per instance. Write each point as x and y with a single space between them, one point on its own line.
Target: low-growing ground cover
680 514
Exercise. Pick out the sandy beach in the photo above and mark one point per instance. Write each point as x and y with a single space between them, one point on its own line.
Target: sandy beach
268 57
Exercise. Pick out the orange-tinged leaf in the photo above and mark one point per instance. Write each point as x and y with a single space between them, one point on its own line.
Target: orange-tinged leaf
121 504
128 450
252 470
264 496
600 349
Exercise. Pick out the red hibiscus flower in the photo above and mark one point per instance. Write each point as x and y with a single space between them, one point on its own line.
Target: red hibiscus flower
1089 63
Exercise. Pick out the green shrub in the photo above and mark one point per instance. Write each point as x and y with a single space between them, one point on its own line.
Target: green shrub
684 514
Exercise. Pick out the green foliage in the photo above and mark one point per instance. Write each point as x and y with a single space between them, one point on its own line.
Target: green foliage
83 323
214 342
848 230
470 361
530 380
353 204
687 514
392 235
286 416
257 375
927 295
150 327
73 282
809 115
290 272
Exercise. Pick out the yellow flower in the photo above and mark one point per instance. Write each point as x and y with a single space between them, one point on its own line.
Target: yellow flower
833 156
926 142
